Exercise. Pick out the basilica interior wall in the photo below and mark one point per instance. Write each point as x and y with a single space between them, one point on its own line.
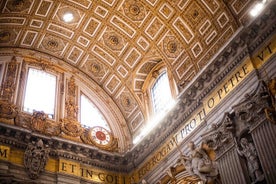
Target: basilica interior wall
234 108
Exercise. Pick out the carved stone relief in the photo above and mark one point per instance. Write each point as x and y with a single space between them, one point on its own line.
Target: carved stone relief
8 112
200 164
8 86
235 130
248 151
35 158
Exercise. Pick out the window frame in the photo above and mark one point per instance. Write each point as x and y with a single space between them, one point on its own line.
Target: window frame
151 79
95 105
57 95
157 109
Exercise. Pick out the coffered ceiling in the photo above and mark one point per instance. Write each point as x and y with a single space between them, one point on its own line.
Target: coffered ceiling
118 42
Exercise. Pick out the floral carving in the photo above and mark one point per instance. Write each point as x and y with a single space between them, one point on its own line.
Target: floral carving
172 47
113 41
135 10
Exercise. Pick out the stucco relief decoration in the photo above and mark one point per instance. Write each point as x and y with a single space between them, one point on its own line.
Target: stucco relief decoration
219 136
8 112
53 44
127 102
70 125
95 69
8 87
113 41
171 47
254 105
198 163
70 104
39 121
35 158
17 6
134 10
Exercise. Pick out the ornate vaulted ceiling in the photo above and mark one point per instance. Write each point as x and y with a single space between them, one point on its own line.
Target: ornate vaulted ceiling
117 43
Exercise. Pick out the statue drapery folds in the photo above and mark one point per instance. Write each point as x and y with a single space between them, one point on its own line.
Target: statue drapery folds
199 163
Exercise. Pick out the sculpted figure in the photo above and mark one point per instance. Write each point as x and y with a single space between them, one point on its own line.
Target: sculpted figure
249 152
199 163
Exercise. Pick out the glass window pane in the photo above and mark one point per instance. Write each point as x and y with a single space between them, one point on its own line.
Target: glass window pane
161 94
90 115
40 92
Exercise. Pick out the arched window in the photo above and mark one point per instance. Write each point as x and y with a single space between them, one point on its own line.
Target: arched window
90 114
161 93
40 92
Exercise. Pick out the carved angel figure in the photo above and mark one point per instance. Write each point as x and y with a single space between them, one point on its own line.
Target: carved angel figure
249 152
199 163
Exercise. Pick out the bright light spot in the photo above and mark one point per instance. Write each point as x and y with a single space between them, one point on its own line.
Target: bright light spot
162 102
153 122
68 17
40 92
257 8
161 94
90 115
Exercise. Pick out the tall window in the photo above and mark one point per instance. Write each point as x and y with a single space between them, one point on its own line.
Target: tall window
161 94
40 92
90 115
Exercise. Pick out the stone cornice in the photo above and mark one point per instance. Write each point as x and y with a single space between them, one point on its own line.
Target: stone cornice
61 148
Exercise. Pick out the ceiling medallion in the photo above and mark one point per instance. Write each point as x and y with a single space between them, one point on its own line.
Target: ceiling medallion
52 44
171 47
113 41
134 10
95 68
